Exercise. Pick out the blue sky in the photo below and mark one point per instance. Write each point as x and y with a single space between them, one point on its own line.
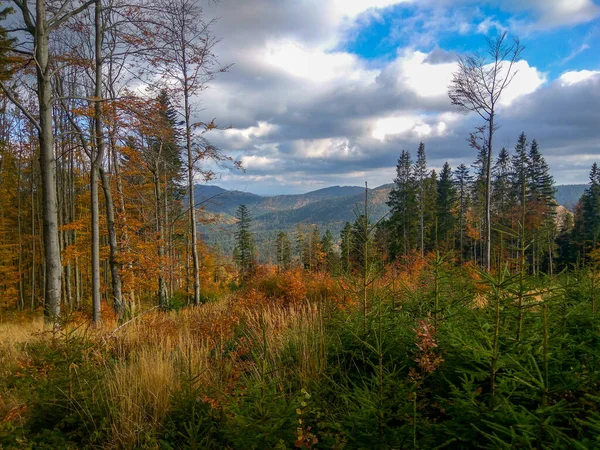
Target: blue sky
553 50
326 92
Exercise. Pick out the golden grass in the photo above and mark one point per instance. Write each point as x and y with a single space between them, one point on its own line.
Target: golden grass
13 337
219 344
139 393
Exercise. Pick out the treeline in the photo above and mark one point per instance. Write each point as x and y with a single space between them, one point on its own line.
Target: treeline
445 213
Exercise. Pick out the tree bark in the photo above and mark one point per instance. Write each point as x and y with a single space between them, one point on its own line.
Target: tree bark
53 274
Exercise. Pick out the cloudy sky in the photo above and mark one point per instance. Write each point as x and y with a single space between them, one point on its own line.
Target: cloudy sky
327 92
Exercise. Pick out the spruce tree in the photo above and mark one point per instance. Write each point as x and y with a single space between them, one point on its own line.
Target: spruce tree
403 207
501 188
244 247
520 172
541 188
420 176
284 251
327 247
588 225
446 205
462 180
430 204
541 208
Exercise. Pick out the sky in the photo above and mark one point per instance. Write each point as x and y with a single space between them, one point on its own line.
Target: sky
329 92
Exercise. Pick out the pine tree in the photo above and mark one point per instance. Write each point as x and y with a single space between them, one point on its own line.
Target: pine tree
244 247
284 251
462 180
587 225
520 172
541 189
327 247
420 176
501 187
403 207
541 210
446 205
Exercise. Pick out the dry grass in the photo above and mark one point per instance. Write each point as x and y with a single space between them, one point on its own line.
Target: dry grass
140 392
13 337
220 344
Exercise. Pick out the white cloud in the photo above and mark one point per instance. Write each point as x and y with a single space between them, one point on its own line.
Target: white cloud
261 130
313 64
352 8
258 162
526 81
425 79
577 76
408 126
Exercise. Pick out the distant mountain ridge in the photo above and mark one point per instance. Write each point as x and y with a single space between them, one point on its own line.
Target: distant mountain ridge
327 208
568 195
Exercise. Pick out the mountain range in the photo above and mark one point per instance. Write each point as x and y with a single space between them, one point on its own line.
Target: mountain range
327 208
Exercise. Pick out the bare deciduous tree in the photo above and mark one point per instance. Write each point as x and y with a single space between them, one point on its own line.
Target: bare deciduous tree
477 86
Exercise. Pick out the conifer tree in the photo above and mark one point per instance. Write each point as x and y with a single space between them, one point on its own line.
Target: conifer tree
244 248
541 208
478 193
284 251
430 204
420 176
520 172
462 180
327 247
587 223
403 207
501 187
446 205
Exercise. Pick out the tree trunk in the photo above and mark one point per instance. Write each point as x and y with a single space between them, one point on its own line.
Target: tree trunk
113 257
192 203
53 274
488 197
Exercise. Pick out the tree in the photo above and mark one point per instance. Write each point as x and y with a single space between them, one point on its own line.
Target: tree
33 36
462 180
187 63
284 251
420 175
403 206
446 204
501 186
327 247
244 247
587 222
477 87
541 208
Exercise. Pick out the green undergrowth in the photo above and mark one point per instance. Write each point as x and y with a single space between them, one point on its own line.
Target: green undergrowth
458 361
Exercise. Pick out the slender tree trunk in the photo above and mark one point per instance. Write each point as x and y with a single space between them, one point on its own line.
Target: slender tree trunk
53 273
192 202
113 257
488 197
97 156
160 237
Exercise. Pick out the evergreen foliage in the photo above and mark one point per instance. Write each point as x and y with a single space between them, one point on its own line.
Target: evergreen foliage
244 249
